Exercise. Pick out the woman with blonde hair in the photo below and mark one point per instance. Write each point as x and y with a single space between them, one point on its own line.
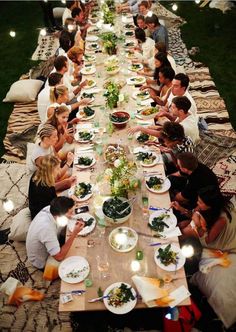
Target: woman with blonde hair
42 184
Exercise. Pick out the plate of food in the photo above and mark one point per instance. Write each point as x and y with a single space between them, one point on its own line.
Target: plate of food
157 184
84 136
135 67
162 221
129 26
141 95
73 269
123 239
88 70
90 84
129 43
129 33
148 112
143 138
169 257
120 298
86 113
91 38
85 161
113 152
116 209
89 223
92 46
87 95
82 191
112 61
148 158
136 80
89 58
112 69
92 30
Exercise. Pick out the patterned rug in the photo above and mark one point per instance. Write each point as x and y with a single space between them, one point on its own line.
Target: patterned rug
47 46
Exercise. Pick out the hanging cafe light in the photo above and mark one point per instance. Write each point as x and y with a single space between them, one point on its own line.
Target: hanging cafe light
174 7
7 204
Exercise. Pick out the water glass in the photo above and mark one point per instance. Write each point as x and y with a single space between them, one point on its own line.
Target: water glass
103 265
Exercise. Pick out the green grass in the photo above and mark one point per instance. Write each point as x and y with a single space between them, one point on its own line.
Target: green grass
24 17
214 33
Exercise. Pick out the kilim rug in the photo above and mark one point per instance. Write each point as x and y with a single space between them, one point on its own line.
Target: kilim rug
47 46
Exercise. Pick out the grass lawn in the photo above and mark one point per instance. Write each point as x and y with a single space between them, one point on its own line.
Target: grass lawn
213 32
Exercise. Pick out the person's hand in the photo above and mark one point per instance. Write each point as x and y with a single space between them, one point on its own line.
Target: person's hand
69 131
82 84
134 130
149 80
79 225
144 87
165 149
69 158
141 72
152 94
199 221
85 102
75 121
72 180
151 143
175 205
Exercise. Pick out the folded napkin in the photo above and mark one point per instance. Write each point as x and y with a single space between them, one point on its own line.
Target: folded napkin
51 269
173 233
212 257
18 293
151 292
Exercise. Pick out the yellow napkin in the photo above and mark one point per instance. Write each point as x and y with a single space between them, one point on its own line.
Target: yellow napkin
151 292
51 269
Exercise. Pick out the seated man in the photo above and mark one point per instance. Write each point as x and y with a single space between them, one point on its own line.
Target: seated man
158 32
42 237
195 176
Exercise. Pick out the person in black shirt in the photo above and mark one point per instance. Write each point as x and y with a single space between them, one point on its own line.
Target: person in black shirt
42 184
193 176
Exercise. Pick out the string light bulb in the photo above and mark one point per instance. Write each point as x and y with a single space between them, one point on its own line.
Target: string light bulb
12 33
149 13
63 1
187 250
43 32
197 1
8 205
135 265
174 7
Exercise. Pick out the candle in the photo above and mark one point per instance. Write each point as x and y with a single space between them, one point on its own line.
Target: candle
187 251
121 238
135 266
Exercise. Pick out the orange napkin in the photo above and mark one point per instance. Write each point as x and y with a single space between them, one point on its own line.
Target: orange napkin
212 257
51 269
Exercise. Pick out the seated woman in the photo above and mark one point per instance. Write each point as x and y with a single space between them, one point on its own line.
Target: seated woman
145 49
59 96
48 138
75 54
160 47
212 222
42 184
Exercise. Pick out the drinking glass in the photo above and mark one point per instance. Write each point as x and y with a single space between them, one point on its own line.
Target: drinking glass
103 265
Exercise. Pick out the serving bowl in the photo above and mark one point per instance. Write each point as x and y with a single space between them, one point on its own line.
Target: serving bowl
111 208
119 119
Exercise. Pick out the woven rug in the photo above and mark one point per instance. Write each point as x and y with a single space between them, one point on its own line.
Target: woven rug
47 46
30 316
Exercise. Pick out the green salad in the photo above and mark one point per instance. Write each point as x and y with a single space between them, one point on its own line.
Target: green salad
155 183
88 111
118 119
129 33
146 157
158 223
85 136
120 295
85 161
167 256
113 206
87 95
143 138
82 189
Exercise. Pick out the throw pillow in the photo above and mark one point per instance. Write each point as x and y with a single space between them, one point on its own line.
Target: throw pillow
20 225
23 91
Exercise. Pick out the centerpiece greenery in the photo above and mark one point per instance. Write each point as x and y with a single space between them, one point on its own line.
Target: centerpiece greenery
112 94
111 5
108 15
109 40
122 177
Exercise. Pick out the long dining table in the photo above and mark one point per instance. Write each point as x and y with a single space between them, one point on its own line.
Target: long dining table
120 264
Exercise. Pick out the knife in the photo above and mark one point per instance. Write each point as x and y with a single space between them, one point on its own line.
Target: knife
96 299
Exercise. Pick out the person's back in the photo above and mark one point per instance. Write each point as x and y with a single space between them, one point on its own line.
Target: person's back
42 239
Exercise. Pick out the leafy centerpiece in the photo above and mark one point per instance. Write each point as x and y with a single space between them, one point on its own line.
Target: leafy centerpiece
109 40
108 15
112 94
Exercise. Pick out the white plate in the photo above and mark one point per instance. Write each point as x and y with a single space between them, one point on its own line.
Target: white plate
71 192
91 38
145 97
129 41
90 58
136 80
150 116
83 141
128 33
90 47
113 72
133 69
171 221
127 236
126 307
171 267
84 166
155 161
85 216
88 71
90 86
80 115
165 186
151 138
74 263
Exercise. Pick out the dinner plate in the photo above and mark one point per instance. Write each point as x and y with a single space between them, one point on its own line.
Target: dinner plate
80 115
81 140
91 38
140 96
169 220
88 71
123 239
136 80
171 267
133 68
89 58
155 161
129 33
129 43
92 46
143 113
165 186
84 166
71 192
113 72
74 264
85 216
151 138
126 307
92 84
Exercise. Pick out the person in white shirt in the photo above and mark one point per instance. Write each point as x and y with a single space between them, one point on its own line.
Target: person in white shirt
43 101
146 45
42 237
67 12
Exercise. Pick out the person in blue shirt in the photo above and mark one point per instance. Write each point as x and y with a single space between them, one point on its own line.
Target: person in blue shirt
158 32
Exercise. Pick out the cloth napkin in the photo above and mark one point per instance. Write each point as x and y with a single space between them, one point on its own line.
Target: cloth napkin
212 257
51 269
18 293
151 292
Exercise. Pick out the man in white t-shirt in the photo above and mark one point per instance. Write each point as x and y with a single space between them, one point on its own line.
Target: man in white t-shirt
43 101
42 237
